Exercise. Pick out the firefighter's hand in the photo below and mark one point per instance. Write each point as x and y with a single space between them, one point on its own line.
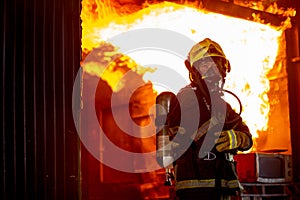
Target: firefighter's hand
232 140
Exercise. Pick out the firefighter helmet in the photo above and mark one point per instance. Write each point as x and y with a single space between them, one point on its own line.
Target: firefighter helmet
209 50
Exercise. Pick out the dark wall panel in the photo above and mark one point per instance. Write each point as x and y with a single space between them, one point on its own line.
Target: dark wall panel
293 60
40 56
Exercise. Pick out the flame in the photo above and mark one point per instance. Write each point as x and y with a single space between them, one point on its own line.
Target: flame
251 47
109 64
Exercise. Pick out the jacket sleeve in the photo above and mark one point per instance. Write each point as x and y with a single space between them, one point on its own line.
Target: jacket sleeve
235 122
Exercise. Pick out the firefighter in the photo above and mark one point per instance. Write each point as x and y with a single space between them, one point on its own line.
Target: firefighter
206 130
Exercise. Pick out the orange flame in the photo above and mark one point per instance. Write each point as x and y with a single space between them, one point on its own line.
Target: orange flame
252 48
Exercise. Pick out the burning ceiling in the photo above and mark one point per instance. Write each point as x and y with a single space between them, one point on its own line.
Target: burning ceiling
255 46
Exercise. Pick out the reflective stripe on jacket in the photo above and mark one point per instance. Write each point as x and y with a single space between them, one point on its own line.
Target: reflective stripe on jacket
200 173
208 183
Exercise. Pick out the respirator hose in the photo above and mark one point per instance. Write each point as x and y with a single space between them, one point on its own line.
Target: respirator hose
240 103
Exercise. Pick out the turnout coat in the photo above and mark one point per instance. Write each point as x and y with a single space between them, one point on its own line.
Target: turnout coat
193 120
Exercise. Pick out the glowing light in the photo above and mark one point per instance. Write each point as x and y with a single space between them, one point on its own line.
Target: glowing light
250 47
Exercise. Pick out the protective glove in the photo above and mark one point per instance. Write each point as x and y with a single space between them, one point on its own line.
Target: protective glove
232 140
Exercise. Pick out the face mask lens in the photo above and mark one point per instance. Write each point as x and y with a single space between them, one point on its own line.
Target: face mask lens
203 66
213 71
209 73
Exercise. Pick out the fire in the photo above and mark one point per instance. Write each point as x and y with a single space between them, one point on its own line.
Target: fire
106 62
252 49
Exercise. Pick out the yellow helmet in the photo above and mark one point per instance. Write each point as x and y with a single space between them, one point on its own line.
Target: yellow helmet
208 48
